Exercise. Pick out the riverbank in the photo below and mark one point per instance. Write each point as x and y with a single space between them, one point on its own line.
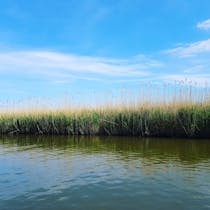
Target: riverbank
163 120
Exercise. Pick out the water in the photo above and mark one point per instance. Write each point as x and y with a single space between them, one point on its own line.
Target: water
104 173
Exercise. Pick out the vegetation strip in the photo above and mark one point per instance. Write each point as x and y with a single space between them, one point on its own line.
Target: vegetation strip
186 120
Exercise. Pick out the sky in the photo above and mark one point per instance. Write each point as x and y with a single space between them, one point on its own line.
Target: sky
51 48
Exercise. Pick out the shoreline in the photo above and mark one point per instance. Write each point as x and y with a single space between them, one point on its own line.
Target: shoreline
175 120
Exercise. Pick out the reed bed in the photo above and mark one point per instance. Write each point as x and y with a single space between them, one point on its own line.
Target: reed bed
180 120
175 118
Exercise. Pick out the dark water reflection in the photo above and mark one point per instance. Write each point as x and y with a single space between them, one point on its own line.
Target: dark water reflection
104 173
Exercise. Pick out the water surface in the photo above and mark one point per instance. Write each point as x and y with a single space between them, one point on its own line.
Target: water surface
104 173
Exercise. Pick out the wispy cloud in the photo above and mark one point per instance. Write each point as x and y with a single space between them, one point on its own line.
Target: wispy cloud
204 25
189 61
54 64
191 49
195 69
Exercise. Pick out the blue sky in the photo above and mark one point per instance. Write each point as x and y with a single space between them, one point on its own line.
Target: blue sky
51 48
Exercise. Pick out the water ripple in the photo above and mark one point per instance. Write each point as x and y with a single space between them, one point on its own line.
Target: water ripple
106 173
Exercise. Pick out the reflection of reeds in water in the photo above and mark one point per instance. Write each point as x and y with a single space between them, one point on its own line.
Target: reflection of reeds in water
170 111
149 149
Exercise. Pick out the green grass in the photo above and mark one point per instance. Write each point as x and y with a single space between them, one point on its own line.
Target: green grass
170 120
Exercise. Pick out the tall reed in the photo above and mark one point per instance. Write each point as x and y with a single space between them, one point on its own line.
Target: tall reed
180 116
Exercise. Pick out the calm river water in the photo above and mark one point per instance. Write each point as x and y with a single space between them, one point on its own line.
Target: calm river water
104 173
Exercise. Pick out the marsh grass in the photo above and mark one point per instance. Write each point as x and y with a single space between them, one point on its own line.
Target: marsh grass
172 120
182 116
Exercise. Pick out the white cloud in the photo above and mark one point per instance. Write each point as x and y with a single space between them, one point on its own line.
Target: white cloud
189 62
191 49
205 25
54 64
195 69
64 68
